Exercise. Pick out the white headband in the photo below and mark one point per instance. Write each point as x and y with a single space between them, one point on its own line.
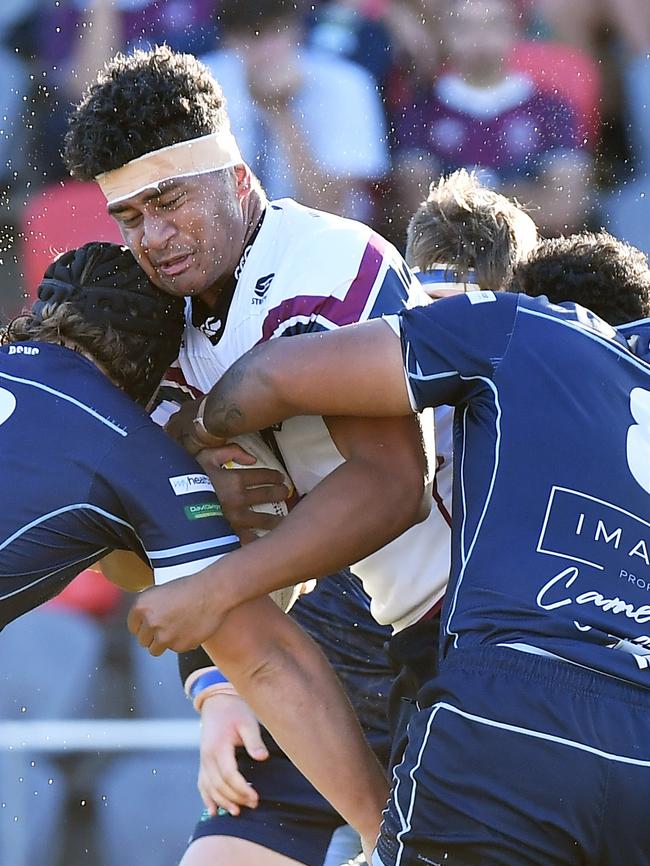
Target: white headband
212 152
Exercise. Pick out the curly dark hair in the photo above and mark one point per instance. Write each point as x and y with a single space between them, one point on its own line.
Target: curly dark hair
594 269
97 299
467 225
141 102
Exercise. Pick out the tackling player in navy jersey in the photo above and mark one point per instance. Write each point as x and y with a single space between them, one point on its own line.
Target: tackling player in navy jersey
99 338
531 744
86 471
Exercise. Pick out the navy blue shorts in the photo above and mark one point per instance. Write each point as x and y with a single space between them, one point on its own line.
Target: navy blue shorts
519 760
292 818
413 654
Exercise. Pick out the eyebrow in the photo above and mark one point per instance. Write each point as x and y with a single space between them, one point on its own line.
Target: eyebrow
155 192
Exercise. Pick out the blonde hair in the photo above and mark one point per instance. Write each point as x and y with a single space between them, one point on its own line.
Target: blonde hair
467 226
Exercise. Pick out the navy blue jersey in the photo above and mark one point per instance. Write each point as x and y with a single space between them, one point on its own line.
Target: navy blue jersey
86 471
551 476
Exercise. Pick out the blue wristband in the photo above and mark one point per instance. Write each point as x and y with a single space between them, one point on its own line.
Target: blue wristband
209 678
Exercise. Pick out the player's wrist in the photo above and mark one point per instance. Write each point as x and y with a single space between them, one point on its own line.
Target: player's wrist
201 432
207 683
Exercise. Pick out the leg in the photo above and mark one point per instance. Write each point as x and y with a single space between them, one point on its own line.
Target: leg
215 850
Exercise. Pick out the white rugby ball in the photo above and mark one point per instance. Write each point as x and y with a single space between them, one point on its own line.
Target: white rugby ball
255 445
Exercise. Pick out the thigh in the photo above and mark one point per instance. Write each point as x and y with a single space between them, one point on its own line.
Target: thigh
216 850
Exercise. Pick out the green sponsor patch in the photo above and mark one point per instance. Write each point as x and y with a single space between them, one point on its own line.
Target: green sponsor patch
205 509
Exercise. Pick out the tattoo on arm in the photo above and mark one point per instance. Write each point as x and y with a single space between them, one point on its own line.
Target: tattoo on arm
224 417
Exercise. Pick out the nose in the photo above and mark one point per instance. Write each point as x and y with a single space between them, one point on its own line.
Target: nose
157 231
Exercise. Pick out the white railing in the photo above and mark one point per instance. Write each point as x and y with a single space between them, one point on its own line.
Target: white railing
20 740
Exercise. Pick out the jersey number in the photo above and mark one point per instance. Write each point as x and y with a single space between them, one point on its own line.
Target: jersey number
7 404
638 437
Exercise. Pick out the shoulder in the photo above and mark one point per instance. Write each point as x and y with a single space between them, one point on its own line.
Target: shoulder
316 245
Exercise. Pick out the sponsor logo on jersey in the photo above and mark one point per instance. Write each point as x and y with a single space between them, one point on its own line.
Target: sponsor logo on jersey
593 532
261 288
205 509
182 484
212 328
23 350
481 297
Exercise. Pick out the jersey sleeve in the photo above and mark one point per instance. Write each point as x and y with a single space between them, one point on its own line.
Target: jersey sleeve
381 283
452 347
167 505
172 393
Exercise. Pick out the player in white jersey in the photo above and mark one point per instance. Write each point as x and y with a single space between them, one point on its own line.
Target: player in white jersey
155 134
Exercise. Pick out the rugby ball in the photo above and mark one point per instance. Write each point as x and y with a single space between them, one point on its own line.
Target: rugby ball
255 445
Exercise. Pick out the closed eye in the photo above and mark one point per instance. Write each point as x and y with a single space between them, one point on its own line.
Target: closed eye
172 202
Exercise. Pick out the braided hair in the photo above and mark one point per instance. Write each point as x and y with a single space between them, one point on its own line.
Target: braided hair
99 299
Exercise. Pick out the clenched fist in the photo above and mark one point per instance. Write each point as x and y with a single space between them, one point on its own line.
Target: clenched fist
179 615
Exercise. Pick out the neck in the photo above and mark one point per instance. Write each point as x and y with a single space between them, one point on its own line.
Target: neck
484 77
252 209
70 344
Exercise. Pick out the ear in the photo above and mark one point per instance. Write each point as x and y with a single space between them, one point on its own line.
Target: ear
242 181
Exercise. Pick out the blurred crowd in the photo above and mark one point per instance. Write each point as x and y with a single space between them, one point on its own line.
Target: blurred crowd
352 106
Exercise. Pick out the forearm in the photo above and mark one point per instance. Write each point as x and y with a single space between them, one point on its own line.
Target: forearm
355 370
294 692
99 39
350 514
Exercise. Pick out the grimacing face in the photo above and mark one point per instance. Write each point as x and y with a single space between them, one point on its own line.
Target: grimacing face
188 233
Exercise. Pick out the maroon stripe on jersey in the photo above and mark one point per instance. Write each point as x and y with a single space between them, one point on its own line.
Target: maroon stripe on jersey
340 312
174 375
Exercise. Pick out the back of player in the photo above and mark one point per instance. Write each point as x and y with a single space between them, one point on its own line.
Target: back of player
545 648
85 469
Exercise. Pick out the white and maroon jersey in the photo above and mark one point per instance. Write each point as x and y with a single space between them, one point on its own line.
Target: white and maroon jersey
307 271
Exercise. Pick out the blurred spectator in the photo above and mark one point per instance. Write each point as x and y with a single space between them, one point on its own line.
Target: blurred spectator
481 115
76 37
309 124
16 86
565 70
394 39
16 20
356 30
616 34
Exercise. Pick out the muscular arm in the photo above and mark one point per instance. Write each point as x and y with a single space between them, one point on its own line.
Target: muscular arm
287 681
356 370
374 496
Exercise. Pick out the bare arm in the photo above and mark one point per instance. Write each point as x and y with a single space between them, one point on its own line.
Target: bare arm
374 496
355 370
